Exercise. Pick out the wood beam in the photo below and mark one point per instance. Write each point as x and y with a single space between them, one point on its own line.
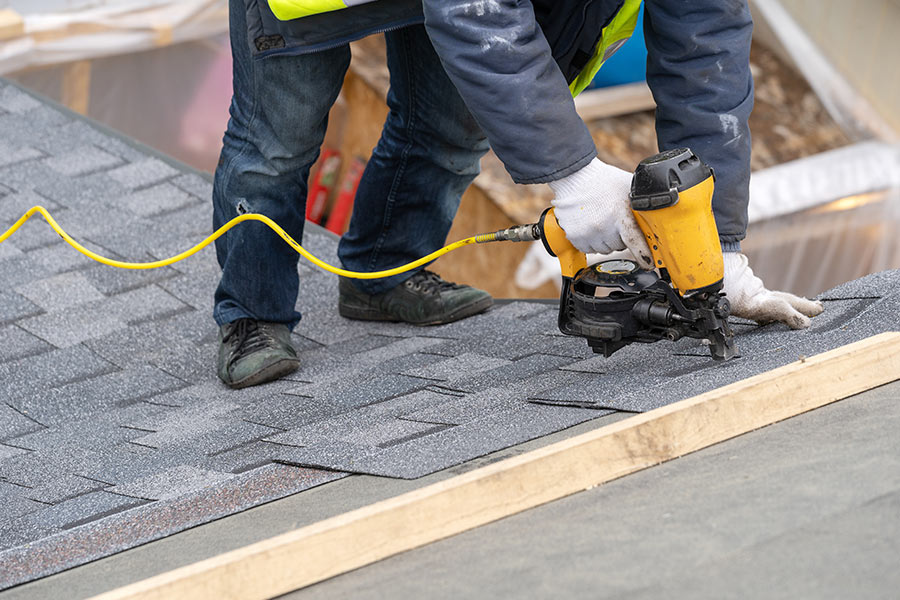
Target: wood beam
11 24
76 86
613 101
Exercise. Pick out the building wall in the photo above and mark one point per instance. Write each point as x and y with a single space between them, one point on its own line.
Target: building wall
862 39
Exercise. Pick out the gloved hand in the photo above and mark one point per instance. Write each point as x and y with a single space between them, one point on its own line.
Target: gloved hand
593 208
750 299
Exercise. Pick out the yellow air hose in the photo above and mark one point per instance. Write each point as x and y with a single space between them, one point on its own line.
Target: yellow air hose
475 239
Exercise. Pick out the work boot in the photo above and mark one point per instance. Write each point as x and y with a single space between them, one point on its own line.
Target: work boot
253 352
423 299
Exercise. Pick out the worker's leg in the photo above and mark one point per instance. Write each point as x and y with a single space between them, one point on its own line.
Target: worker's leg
428 154
278 117
699 70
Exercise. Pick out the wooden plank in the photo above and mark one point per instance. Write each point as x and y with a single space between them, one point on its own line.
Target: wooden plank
11 24
614 101
328 548
76 86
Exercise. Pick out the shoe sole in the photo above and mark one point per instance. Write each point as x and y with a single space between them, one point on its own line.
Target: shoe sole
272 372
369 314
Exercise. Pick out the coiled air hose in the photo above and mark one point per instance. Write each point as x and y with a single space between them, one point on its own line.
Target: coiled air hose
518 233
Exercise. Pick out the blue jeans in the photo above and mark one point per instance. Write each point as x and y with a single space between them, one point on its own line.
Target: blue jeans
428 154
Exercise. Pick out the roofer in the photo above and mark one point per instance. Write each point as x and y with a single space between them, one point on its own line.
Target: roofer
464 75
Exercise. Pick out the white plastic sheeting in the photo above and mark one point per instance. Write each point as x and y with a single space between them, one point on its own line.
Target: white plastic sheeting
159 70
823 178
61 32
816 249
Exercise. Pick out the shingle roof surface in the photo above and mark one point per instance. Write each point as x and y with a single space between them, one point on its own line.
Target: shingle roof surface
114 430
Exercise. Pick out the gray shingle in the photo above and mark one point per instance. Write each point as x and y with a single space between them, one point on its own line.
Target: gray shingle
60 292
361 390
194 184
112 281
193 291
187 423
7 452
39 129
94 431
14 424
505 374
62 258
171 483
97 394
95 196
120 529
356 430
81 132
14 100
157 343
285 411
16 204
870 286
14 504
62 488
14 306
458 366
83 509
70 328
489 400
144 304
231 433
154 200
84 160
7 250
142 173
22 268
452 446
11 155
16 343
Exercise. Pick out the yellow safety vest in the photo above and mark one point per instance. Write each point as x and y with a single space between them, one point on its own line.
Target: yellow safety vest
613 36
288 10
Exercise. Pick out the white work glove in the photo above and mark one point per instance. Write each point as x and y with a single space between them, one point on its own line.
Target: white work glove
593 208
750 299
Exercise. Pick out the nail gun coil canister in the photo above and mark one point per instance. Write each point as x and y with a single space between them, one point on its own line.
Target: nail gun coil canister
671 197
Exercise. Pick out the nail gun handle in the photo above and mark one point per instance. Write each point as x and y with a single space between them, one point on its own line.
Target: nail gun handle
571 260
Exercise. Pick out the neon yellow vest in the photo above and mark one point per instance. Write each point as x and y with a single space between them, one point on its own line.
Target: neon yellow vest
287 10
614 35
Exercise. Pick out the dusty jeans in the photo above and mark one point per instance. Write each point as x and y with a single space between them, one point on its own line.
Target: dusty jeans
428 154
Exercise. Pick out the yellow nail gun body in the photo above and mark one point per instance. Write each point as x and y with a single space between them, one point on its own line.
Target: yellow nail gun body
615 302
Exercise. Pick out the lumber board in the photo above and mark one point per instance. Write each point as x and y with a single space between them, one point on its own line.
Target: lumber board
328 548
11 24
613 101
76 86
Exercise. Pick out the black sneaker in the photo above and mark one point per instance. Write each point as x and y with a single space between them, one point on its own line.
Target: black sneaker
423 299
253 352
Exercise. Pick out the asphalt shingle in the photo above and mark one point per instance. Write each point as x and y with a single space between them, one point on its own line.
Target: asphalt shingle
143 173
17 343
82 161
61 292
15 101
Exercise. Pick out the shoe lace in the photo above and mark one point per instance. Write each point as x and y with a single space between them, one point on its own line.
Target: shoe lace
246 337
431 281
